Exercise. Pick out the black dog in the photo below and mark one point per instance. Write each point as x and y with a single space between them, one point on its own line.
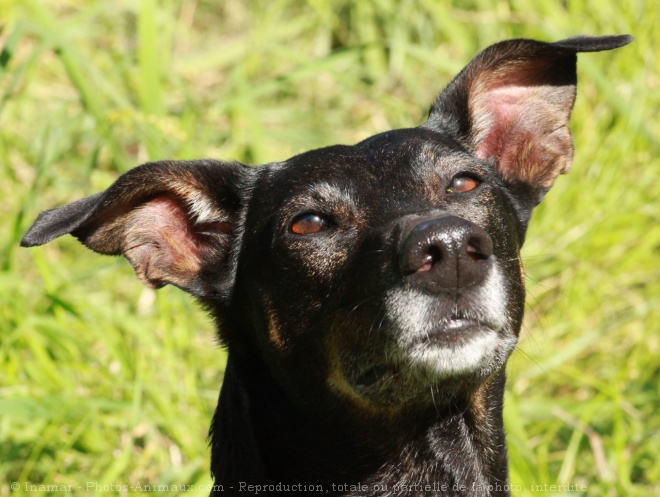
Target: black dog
368 295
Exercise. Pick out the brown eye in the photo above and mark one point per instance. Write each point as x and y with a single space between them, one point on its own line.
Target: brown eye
462 183
308 223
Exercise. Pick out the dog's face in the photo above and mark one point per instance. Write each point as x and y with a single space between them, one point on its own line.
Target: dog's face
382 269
383 274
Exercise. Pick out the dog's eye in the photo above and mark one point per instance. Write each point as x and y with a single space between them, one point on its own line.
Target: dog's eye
462 183
308 223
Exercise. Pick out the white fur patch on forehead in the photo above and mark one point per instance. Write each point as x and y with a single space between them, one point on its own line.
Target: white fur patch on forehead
324 195
329 192
438 157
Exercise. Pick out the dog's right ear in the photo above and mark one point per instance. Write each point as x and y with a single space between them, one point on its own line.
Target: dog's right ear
175 221
511 105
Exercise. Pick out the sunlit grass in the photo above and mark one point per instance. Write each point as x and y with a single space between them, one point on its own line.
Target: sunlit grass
105 381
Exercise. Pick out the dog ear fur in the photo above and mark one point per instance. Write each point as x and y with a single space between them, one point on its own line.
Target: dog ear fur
173 220
512 104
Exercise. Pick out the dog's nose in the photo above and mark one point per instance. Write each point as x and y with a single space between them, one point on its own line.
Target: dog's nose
445 253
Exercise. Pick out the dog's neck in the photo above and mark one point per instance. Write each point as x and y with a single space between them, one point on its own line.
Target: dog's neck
259 438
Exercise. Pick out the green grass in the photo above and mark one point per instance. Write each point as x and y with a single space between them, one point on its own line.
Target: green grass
105 381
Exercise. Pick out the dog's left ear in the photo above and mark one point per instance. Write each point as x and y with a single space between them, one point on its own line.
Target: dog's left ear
175 222
512 104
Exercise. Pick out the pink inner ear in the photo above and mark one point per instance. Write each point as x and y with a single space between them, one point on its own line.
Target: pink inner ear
172 224
501 107
165 245
524 128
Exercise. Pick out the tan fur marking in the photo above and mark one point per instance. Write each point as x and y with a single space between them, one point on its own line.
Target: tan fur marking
338 382
274 328
479 403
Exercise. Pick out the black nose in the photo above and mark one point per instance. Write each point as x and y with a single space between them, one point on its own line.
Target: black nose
445 253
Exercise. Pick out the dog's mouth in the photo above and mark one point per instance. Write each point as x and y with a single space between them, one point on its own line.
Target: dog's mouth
453 333
446 341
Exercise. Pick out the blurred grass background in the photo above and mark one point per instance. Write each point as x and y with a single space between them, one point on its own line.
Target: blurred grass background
105 381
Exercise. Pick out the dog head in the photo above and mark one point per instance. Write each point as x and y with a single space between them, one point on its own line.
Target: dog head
373 273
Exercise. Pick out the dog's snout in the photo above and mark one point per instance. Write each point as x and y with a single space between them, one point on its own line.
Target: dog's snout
445 253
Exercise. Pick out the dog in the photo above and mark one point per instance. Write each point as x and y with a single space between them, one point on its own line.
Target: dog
368 296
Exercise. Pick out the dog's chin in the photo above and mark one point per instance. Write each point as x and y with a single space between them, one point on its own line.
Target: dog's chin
460 347
431 368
